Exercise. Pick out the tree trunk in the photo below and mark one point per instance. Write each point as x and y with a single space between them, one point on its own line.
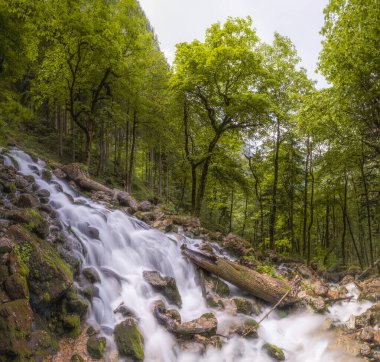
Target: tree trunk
344 211
132 155
272 219
306 179
260 285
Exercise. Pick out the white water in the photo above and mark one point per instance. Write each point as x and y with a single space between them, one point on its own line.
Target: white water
126 248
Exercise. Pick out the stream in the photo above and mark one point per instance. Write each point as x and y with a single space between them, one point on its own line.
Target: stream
121 247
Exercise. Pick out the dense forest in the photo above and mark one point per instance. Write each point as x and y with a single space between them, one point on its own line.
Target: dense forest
233 132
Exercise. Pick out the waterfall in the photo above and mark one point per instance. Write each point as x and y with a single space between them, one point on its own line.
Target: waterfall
120 248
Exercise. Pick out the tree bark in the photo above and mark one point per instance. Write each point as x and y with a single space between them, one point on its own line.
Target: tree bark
260 285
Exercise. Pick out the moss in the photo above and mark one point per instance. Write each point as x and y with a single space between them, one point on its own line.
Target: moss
71 325
96 346
274 351
129 340
23 252
76 358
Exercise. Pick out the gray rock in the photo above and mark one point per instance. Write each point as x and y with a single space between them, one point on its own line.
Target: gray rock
165 285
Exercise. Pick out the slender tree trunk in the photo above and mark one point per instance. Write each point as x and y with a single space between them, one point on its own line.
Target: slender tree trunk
327 225
306 179
245 215
311 213
202 186
231 209
126 154
344 212
272 219
132 155
367 207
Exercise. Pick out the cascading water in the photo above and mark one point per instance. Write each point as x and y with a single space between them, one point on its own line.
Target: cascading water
123 248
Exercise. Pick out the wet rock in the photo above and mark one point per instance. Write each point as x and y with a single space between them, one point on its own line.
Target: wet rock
91 275
17 287
90 291
145 206
246 307
96 346
125 199
125 311
274 352
49 276
34 169
165 285
206 325
88 230
129 340
15 323
248 329
46 175
28 200
43 193
59 173
366 334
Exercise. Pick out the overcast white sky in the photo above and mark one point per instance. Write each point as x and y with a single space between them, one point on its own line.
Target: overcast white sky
178 21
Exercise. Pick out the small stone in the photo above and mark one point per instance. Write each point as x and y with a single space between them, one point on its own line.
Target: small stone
43 193
145 206
274 352
125 311
76 358
6 245
96 346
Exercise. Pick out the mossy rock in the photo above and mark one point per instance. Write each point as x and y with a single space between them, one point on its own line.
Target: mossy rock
243 306
49 276
46 175
42 344
248 329
129 340
76 358
91 275
71 325
220 287
17 287
275 352
76 304
15 324
96 346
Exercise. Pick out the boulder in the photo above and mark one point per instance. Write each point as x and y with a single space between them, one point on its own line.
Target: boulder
96 346
125 311
165 285
274 352
129 340
145 206
28 200
6 245
49 277
15 323
126 200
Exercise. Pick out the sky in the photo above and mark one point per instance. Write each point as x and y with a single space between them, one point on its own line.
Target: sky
176 21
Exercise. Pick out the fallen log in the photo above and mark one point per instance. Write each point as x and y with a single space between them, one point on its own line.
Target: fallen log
260 285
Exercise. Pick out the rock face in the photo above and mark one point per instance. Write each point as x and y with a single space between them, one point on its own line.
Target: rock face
165 285
129 340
